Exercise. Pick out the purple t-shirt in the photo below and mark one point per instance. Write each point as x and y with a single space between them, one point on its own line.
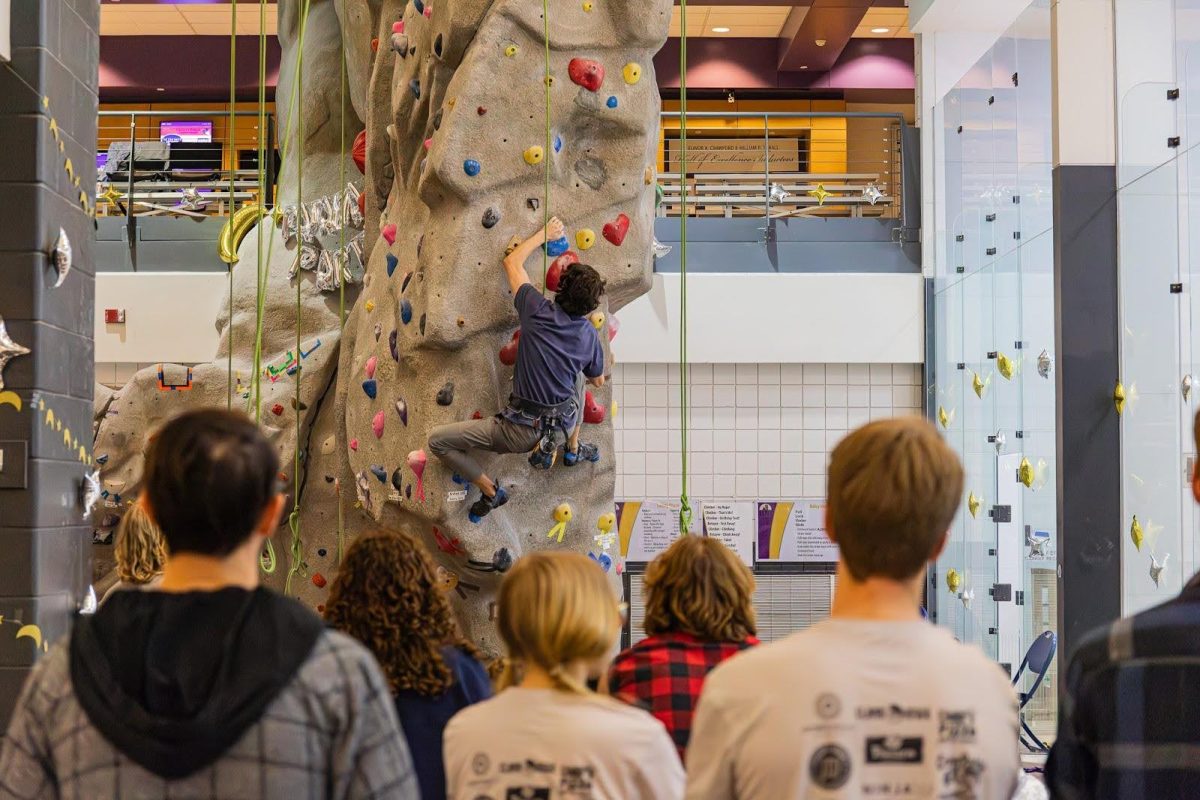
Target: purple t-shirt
554 348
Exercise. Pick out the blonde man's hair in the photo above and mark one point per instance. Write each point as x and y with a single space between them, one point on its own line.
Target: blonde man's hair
699 587
139 551
894 487
555 608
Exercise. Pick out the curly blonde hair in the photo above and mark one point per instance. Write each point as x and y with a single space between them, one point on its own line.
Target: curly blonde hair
386 595
699 587
140 551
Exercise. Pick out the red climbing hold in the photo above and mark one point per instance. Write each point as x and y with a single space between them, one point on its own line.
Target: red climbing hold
362 203
508 353
375 45
481 111
428 143
277 409
477 415
389 232
615 231
558 267
428 12
359 151
398 27
318 580
593 412
586 72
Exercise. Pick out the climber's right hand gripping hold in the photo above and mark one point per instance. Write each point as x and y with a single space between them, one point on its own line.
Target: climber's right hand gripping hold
514 262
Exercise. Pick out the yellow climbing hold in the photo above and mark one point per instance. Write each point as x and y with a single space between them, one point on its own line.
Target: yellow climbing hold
370 306
953 580
632 73
511 50
587 5
597 319
534 155
548 80
562 515
1136 533
585 238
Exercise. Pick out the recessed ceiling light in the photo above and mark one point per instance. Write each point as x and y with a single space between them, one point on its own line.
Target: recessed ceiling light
804 66
881 30
160 89
720 29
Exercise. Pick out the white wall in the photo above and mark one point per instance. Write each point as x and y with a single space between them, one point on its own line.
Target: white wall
169 316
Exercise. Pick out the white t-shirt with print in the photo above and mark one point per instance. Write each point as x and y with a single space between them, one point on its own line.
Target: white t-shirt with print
856 709
545 744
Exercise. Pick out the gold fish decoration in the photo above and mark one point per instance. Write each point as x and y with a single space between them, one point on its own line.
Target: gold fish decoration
953 580
973 504
1025 473
1005 366
1119 398
1136 533
945 417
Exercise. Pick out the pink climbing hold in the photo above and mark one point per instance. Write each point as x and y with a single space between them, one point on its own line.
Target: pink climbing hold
428 12
508 353
354 445
558 267
398 27
372 362
416 462
586 72
615 231
593 412
377 425
614 327
428 143
389 232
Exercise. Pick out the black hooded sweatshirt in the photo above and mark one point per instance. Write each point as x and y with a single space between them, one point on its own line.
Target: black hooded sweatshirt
173 680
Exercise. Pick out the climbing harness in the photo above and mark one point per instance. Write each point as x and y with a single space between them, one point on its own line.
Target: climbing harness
549 420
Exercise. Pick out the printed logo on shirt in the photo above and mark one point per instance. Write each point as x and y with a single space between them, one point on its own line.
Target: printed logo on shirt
510 767
960 777
829 767
577 780
956 726
527 793
892 712
895 750
828 706
540 766
480 763
896 789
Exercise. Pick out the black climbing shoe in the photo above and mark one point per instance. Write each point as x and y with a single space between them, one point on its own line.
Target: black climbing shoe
485 505
585 452
543 457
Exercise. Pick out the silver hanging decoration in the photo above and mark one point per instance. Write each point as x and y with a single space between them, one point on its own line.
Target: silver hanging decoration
351 216
872 194
289 222
661 250
327 272
1156 569
309 228
8 350
777 193
1044 364
362 487
89 492
61 256
355 246
999 440
89 604
1186 387
331 221
192 200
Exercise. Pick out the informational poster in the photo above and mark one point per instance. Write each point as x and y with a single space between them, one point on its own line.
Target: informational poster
794 531
647 528
734 524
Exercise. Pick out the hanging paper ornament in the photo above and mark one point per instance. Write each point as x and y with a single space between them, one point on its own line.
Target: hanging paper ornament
1119 398
1005 366
416 462
945 417
778 194
89 492
953 580
661 250
61 257
562 515
973 504
872 194
1136 533
1044 364
8 349
1156 569
966 597
1025 473
1185 386
979 384
362 487
820 193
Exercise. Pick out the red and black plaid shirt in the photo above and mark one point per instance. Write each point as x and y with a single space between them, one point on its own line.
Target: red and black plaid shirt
663 674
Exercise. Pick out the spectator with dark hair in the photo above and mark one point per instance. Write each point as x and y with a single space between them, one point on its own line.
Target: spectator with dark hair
1128 725
699 611
872 702
211 686
557 349
386 595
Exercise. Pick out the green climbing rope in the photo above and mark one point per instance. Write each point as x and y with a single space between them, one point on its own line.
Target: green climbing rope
232 136
549 154
341 523
260 287
685 507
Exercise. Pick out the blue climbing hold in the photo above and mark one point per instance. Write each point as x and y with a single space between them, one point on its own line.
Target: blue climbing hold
415 85
557 143
419 6
102 460
612 101
471 167
405 311
370 387
379 472
557 247
392 261
459 479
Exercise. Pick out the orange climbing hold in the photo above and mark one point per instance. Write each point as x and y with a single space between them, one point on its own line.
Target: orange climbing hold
359 151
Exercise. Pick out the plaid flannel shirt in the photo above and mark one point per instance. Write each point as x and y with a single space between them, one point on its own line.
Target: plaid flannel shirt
664 674
1129 721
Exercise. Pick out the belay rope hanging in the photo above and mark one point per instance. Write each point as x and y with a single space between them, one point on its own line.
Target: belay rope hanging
685 507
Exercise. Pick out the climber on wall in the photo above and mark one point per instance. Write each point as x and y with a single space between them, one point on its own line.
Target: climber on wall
558 349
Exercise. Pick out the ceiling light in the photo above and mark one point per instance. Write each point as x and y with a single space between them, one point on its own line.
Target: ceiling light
720 29
881 30
160 89
804 66
820 42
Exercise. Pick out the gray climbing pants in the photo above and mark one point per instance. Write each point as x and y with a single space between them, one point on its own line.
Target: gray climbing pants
456 444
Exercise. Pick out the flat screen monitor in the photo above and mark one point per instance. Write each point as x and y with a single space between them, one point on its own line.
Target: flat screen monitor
185 131
101 160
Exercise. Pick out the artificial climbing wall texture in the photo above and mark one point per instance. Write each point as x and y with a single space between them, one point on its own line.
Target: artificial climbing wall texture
462 85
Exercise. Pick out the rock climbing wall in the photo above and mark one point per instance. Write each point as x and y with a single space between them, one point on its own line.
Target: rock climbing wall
453 97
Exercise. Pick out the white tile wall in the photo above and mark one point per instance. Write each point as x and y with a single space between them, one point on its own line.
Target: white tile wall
757 430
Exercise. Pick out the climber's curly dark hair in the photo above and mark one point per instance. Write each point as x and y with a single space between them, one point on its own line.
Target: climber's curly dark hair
386 595
579 290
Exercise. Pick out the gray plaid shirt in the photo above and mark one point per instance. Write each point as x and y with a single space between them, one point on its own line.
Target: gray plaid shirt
330 734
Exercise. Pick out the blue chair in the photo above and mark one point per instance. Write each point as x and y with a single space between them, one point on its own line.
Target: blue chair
1037 660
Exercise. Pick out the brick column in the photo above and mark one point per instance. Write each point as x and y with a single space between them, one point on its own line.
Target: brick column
44 541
